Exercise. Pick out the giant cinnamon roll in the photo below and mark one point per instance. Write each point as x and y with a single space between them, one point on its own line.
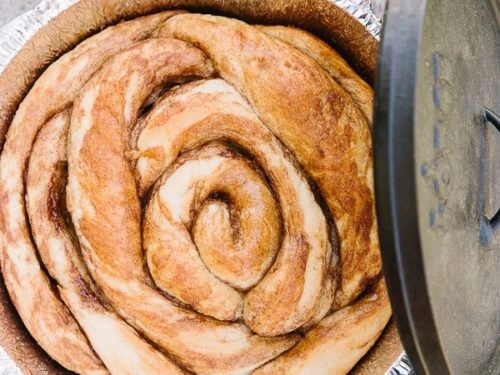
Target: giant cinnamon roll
185 193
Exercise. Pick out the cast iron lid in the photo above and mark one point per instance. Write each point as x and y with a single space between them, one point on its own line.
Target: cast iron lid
437 173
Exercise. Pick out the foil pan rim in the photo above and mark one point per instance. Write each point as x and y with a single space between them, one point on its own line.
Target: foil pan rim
15 34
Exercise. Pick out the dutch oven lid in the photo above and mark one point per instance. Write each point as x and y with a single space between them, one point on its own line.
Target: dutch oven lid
437 173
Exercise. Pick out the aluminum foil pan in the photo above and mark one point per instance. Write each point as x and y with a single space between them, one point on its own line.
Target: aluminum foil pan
18 32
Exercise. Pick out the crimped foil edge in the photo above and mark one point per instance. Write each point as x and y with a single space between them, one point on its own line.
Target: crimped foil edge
362 11
15 34
401 366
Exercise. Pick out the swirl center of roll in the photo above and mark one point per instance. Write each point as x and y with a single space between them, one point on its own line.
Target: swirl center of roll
233 215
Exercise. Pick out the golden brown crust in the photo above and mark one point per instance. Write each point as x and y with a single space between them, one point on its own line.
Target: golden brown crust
249 193
330 60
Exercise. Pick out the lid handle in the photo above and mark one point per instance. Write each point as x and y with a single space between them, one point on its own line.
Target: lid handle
489 226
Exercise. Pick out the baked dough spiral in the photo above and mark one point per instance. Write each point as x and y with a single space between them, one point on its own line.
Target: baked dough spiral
188 193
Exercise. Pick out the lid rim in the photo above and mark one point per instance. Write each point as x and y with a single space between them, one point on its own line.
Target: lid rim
395 188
